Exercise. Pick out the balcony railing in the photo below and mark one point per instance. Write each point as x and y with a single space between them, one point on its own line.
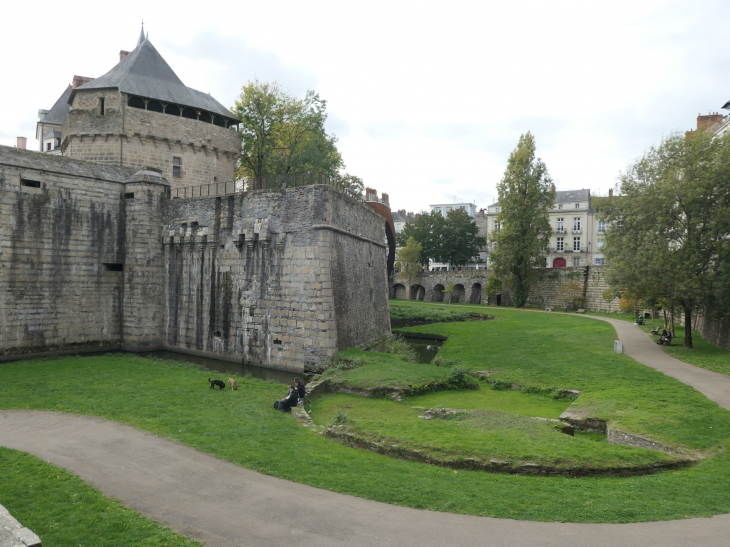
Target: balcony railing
568 250
559 230
576 230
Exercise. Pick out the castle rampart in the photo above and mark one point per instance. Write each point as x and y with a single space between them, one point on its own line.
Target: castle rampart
95 257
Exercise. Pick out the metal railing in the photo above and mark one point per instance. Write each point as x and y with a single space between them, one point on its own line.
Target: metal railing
268 182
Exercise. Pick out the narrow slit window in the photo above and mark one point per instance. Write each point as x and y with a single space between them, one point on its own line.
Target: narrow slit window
129 195
109 267
177 167
30 183
101 106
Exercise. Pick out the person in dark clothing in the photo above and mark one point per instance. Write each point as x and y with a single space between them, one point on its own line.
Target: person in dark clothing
290 400
300 388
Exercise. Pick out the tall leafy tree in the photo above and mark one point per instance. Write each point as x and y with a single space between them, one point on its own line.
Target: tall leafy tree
525 200
282 134
459 240
669 227
427 230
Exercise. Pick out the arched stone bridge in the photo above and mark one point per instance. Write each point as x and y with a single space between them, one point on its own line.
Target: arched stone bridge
430 286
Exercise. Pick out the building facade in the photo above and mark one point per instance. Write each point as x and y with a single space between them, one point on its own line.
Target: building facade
578 235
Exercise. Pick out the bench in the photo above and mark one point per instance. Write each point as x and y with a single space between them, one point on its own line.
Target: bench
655 331
548 309
580 311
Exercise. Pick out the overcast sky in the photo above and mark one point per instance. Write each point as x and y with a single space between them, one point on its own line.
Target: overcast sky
427 98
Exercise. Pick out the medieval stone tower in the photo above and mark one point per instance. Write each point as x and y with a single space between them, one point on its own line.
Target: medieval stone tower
99 251
139 114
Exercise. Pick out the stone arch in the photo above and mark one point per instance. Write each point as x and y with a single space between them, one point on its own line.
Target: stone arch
399 291
457 295
418 292
559 262
476 294
438 293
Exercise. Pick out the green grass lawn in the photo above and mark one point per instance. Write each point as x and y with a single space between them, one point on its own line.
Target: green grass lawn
63 510
430 314
539 350
482 434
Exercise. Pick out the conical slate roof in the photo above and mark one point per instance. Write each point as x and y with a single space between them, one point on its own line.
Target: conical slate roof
57 114
146 74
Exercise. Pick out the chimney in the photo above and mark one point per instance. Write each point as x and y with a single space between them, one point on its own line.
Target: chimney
42 114
553 187
610 193
122 55
78 81
385 198
21 142
402 211
711 121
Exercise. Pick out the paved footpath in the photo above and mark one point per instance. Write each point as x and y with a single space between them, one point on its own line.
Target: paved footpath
225 505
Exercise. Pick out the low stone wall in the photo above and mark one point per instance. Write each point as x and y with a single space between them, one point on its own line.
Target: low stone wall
340 435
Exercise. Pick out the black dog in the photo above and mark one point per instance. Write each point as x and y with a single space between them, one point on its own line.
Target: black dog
218 383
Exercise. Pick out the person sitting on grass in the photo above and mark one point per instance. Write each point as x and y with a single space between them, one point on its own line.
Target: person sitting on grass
300 388
289 401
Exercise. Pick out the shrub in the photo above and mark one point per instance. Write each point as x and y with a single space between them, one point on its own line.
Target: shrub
460 378
391 343
339 418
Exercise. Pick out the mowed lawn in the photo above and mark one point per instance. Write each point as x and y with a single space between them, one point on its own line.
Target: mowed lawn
545 351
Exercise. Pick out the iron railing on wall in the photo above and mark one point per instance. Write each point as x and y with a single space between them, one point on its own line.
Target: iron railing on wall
268 182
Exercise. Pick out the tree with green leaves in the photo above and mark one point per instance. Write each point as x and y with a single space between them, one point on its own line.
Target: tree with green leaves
282 134
525 200
453 239
669 226
408 261
460 240
426 230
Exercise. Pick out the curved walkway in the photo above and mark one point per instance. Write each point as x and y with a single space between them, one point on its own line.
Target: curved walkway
225 505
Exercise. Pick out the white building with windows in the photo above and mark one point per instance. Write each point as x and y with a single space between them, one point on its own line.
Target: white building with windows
577 237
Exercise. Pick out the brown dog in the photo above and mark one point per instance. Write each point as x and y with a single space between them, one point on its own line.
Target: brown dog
232 383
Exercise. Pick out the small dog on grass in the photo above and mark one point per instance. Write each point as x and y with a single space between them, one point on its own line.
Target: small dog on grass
232 383
218 383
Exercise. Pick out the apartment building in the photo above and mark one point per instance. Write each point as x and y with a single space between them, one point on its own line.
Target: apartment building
577 237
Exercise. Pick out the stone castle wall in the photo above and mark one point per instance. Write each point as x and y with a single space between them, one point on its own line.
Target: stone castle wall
277 278
55 293
101 257
140 138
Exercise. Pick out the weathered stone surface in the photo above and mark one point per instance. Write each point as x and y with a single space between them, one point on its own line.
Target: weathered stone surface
100 257
14 534
616 436
137 138
556 287
586 423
